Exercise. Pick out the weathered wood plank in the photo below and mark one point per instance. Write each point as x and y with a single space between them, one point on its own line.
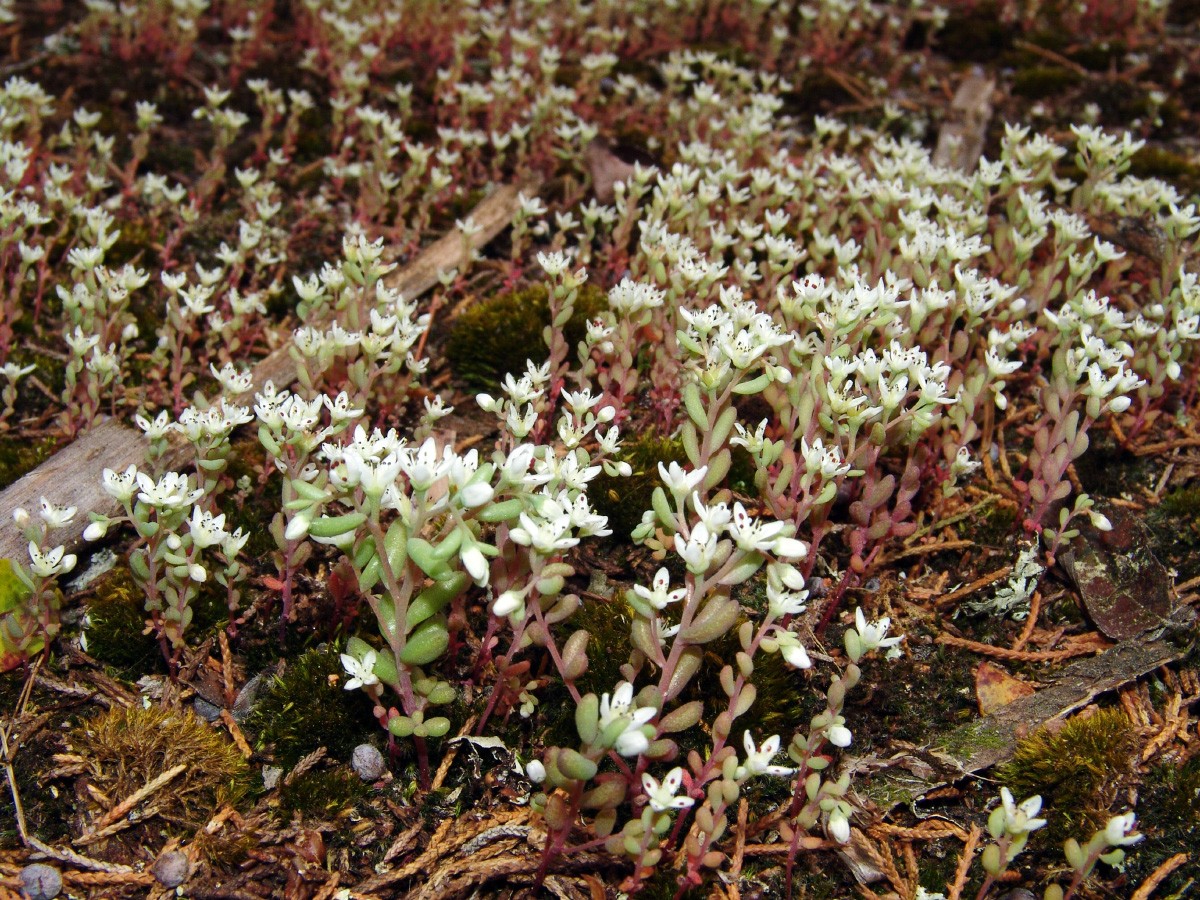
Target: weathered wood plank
72 476
956 753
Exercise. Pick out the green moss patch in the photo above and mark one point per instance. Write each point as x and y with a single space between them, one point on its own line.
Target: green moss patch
497 336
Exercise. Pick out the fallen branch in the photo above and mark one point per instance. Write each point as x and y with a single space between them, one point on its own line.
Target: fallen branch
991 740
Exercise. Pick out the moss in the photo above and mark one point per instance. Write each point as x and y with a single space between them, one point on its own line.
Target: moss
624 500
1169 815
1175 524
993 525
1037 82
899 698
304 707
496 336
1100 57
1078 770
320 794
116 622
607 624
126 748
817 93
1158 162
205 236
19 456
963 742
974 33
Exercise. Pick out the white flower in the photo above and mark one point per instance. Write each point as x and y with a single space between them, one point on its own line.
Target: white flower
619 709
679 482
423 467
535 771
206 529
95 531
554 263
699 550
756 442
373 475
509 603
475 563
782 603
839 735
233 381
658 594
121 485
169 492
156 429
1119 830
233 543
13 372
755 536
1015 819
361 672
661 797
865 637
56 516
789 647
839 825
714 517
545 536
758 758
51 562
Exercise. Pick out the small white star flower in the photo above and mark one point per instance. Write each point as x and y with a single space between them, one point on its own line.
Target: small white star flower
619 709
47 564
121 486
658 595
361 672
758 758
56 516
1119 830
661 797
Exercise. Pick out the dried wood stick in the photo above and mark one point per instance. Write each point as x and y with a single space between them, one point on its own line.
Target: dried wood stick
72 476
1158 876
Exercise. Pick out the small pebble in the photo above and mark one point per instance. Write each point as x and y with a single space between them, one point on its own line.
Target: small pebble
209 712
171 869
872 585
40 882
367 762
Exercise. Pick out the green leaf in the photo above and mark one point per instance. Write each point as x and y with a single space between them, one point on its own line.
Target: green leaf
12 589
427 643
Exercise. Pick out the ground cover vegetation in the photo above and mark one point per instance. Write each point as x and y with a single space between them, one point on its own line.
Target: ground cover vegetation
686 449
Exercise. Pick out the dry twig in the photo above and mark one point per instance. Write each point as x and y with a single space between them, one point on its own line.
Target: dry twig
956 886
115 819
1158 876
